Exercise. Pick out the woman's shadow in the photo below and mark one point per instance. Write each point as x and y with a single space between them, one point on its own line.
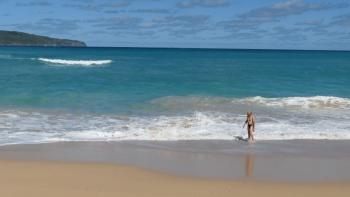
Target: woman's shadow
240 138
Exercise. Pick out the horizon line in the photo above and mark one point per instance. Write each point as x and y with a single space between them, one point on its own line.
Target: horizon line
198 48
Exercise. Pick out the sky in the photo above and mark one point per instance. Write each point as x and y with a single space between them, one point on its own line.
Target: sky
248 24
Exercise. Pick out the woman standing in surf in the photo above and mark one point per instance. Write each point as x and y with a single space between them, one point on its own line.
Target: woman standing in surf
251 126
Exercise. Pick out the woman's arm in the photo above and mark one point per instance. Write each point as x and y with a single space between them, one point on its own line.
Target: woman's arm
245 123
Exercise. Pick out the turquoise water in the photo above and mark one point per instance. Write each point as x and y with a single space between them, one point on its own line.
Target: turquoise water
54 94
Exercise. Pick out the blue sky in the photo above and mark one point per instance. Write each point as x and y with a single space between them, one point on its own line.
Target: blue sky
273 24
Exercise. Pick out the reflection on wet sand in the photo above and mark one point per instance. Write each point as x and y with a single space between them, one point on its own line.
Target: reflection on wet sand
249 165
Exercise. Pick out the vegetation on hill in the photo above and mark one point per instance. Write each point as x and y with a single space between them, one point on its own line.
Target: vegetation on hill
13 38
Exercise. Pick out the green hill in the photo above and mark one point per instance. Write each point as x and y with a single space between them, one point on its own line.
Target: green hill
14 38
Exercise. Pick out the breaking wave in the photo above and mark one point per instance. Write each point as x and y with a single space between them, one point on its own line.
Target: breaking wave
214 103
86 63
302 102
195 118
38 127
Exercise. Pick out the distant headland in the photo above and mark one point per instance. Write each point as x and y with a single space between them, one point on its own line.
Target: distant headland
14 38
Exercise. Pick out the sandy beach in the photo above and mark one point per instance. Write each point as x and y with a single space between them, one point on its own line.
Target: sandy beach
176 169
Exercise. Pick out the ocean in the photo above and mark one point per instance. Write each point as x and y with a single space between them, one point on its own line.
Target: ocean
111 94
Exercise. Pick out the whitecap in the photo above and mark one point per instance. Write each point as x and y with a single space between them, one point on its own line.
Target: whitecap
86 63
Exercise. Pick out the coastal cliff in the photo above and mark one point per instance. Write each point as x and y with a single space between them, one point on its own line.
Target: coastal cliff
14 38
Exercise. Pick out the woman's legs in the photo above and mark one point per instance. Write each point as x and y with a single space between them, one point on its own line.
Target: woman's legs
250 133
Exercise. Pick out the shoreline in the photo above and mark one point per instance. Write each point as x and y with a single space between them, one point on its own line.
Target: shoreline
296 161
186 168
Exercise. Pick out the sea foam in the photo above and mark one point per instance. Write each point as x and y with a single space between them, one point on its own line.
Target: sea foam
76 62
302 102
37 127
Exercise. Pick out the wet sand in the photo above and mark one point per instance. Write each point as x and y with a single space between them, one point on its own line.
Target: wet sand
23 178
184 168
299 160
